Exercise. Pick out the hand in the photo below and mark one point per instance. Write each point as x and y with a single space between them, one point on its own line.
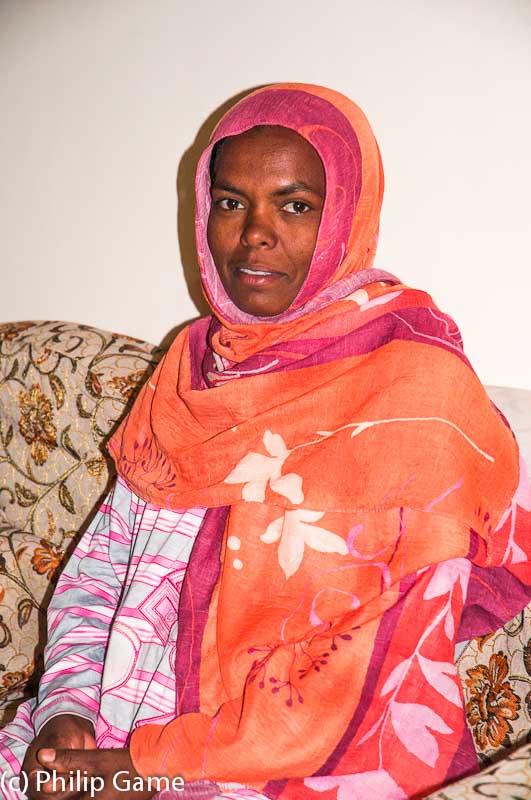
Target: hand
63 731
104 774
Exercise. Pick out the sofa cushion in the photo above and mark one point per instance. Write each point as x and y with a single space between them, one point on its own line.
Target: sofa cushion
495 670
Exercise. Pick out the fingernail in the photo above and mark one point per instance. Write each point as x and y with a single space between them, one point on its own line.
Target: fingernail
46 754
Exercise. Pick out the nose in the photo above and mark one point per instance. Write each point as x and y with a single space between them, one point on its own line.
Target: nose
258 230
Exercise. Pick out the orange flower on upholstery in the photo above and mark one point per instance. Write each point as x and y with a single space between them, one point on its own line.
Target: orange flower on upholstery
482 640
126 384
17 677
36 423
47 559
492 702
10 330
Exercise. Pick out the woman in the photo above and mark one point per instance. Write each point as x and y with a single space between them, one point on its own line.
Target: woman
314 489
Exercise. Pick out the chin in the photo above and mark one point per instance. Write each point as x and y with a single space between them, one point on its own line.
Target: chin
259 311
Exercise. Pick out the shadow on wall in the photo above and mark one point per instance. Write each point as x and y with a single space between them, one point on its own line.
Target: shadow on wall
185 185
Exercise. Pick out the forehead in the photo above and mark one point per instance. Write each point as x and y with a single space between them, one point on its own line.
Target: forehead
267 146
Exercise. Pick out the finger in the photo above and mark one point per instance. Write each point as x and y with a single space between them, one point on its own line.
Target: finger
39 784
89 743
69 761
45 783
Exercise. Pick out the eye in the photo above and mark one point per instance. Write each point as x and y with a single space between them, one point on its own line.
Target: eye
296 207
229 204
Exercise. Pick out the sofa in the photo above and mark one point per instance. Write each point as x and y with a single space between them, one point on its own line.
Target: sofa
63 389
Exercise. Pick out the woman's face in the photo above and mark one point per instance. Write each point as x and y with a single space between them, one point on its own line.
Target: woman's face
268 193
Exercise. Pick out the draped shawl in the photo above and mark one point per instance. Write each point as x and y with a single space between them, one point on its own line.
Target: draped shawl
362 492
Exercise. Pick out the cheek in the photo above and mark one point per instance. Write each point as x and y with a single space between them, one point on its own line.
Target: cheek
222 239
305 246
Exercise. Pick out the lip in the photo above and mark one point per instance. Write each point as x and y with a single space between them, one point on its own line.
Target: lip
255 276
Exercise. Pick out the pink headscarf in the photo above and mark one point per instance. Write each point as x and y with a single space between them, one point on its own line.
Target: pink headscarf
346 242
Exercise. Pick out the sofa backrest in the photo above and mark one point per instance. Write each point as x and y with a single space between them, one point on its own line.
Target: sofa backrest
63 386
516 406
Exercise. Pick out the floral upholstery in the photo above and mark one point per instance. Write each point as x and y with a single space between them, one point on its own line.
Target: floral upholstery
496 672
63 387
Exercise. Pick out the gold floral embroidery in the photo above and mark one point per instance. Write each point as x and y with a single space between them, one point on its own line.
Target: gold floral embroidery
126 384
36 423
94 384
47 559
492 702
96 467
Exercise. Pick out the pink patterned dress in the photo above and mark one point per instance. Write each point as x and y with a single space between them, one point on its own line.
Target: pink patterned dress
112 631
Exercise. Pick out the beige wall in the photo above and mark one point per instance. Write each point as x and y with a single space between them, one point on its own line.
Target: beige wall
101 99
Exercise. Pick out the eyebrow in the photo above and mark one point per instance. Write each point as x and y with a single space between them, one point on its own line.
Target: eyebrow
226 187
295 187
291 188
